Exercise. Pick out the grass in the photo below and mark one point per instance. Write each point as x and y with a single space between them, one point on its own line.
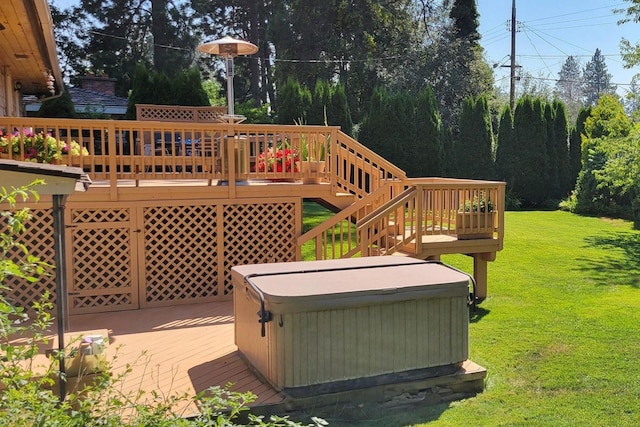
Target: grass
558 333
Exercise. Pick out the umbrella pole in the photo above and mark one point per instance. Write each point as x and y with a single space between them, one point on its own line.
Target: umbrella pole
230 108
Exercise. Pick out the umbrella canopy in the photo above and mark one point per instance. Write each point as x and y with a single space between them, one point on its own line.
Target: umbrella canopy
228 46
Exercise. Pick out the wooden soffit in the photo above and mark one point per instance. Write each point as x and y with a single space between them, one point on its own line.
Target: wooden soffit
27 45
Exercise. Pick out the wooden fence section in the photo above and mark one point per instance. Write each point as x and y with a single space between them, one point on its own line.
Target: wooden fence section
180 113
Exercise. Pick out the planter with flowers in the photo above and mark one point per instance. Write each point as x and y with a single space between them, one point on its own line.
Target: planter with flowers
279 160
475 219
37 147
313 160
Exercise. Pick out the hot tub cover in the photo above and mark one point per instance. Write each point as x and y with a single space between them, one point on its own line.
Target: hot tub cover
321 285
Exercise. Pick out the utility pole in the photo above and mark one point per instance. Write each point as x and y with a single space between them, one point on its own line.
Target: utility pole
514 23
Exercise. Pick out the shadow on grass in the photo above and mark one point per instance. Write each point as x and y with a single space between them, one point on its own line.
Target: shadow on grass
376 414
477 313
622 267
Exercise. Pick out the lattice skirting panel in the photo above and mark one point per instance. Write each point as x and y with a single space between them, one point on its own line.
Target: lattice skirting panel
126 255
38 238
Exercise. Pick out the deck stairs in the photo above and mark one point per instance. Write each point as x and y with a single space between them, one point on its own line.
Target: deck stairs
392 214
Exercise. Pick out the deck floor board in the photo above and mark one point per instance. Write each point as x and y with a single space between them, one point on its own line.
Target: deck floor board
180 349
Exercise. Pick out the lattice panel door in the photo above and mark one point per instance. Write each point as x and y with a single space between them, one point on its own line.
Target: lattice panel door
258 233
38 238
181 255
102 261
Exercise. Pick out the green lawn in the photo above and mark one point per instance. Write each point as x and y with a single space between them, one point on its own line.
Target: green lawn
559 333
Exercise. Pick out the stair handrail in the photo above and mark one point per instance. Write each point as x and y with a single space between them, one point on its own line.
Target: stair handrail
349 175
373 229
379 197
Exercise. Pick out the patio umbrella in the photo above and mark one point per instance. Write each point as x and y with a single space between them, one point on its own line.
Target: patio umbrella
229 48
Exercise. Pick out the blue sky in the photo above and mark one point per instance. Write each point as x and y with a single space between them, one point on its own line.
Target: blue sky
551 30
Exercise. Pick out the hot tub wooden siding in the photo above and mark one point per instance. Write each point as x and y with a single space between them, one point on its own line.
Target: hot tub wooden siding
382 337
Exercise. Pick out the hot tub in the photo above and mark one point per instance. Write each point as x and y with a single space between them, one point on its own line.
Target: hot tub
324 326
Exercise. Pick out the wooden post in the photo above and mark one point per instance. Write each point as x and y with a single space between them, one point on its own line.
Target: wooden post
480 273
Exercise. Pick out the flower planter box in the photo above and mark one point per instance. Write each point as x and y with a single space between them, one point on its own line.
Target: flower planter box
311 171
474 225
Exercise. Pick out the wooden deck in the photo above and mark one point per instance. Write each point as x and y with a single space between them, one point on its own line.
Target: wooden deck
179 349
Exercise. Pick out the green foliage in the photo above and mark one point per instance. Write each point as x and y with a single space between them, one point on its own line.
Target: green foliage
254 114
430 155
561 143
606 183
327 105
531 137
597 79
294 101
575 144
607 119
475 140
507 154
464 14
185 88
620 174
569 86
338 112
406 130
213 88
375 130
59 107
553 188
320 103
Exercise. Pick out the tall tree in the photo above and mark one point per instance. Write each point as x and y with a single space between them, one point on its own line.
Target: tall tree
606 124
357 43
597 80
507 153
429 157
569 86
464 14
552 185
561 143
528 121
632 98
376 130
295 100
575 144
115 35
475 140
456 68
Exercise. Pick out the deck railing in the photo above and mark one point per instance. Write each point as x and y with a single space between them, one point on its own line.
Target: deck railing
152 150
429 210
338 236
434 209
359 170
